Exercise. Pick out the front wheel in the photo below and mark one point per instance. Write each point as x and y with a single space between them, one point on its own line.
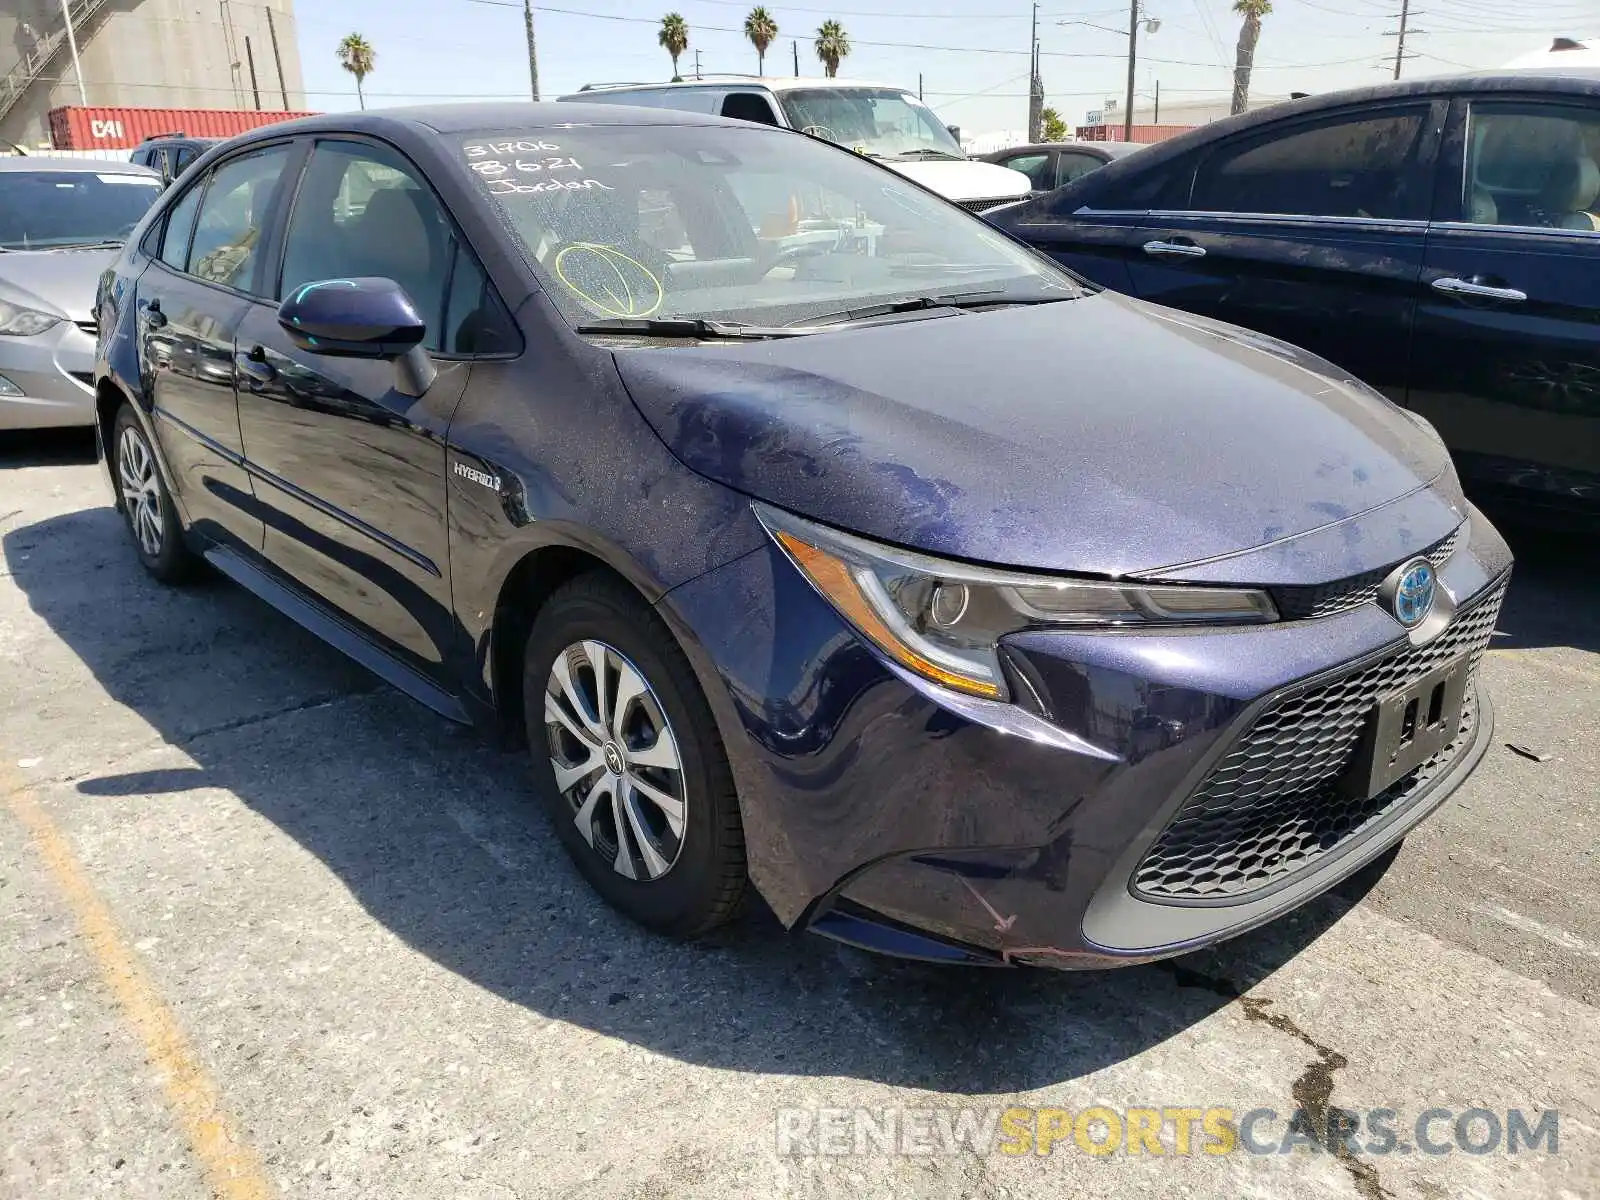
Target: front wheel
628 761
147 505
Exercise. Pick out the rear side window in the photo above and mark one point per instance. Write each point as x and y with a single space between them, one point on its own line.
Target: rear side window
1036 167
1073 166
233 216
1362 165
180 228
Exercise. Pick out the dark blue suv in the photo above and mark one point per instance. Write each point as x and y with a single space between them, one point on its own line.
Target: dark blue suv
737 474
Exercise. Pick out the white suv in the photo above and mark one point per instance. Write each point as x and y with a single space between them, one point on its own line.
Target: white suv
881 122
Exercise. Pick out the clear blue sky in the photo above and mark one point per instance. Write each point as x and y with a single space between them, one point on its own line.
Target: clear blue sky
972 54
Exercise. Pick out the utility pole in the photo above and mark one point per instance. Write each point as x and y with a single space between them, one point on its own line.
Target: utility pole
255 88
72 41
796 47
1035 84
1133 47
697 63
533 57
277 60
1400 45
1156 120
919 85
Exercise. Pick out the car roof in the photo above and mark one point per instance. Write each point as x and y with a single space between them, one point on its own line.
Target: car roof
1109 149
472 118
773 83
1573 81
94 166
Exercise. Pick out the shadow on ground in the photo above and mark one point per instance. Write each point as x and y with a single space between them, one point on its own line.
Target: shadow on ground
46 448
431 830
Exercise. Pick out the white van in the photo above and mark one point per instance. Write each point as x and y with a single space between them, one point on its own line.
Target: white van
882 122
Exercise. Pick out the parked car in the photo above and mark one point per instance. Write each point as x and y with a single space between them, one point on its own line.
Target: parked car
1049 165
783 540
62 222
1438 239
169 154
882 122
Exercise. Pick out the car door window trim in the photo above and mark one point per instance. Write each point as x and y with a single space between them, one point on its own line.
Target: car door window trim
1523 230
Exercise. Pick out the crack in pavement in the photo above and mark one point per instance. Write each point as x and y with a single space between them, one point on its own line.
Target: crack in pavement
1312 1089
318 701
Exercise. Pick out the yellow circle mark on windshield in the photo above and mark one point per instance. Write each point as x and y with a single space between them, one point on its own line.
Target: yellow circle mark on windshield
608 280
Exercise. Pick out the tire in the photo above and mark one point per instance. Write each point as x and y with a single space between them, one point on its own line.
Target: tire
146 504
680 876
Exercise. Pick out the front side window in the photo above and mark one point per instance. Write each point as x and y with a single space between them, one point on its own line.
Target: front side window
47 210
233 215
1533 165
1075 166
1354 166
734 223
1036 167
362 211
880 122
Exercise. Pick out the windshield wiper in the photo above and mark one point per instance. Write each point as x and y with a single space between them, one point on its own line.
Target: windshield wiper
924 152
985 298
690 327
108 244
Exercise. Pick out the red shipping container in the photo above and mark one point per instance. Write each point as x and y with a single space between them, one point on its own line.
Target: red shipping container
1143 135
76 128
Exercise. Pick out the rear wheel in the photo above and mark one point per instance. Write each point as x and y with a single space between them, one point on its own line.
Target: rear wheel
152 518
628 761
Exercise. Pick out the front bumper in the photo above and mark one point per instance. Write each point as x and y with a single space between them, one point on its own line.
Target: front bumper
887 812
54 372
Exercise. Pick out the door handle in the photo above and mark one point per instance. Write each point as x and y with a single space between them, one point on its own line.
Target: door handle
1160 249
154 318
1450 286
255 366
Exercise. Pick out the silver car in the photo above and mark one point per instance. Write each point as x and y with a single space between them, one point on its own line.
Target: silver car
62 222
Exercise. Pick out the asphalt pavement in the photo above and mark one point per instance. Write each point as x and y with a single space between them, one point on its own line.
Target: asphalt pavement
268 928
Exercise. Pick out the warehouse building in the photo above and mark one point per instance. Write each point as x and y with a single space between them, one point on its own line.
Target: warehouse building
212 54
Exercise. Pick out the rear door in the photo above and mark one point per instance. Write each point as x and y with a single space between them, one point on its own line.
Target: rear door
190 302
1507 354
1310 230
349 471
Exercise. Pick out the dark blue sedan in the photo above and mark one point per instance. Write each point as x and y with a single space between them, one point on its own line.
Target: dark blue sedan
1436 238
740 477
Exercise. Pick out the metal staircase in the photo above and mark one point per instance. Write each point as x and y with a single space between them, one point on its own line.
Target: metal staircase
43 56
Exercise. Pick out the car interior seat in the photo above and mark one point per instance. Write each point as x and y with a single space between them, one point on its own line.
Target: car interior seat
1571 194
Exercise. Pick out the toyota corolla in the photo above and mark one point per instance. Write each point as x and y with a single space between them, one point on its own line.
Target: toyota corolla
812 535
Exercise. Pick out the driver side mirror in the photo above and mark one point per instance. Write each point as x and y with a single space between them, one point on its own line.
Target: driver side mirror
361 318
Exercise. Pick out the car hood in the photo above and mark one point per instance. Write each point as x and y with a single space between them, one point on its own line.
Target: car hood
1103 435
61 282
965 179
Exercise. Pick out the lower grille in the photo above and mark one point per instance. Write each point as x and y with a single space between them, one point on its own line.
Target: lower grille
1272 806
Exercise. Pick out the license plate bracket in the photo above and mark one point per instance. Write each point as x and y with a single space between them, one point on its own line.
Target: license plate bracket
1407 727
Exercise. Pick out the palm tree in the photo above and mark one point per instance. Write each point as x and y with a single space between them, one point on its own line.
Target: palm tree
832 45
1249 34
762 30
674 39
357 56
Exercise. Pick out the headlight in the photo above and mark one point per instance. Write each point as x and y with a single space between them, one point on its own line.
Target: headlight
16 321
944 620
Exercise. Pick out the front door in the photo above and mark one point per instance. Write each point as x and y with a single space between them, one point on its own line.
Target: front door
1507 356
350 472
190 303
1311 232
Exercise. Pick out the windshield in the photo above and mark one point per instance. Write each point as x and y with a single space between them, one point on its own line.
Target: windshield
41 210
736 224
870 121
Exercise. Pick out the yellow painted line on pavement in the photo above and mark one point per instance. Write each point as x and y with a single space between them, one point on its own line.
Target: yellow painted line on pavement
232 1167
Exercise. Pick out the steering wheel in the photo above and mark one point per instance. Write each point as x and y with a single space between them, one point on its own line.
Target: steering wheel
794 254
821 131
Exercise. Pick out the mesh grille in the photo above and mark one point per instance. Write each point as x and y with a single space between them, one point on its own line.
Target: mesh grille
1271 806
1326 599
978 206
